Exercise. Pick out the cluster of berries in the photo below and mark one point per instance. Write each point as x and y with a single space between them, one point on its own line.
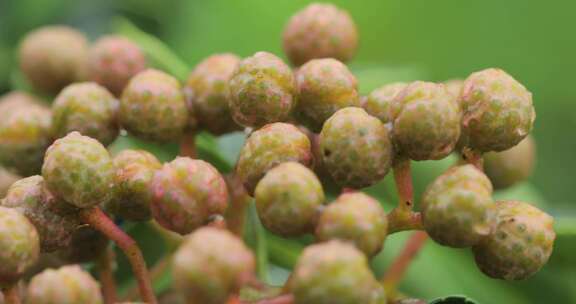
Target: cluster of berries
308 125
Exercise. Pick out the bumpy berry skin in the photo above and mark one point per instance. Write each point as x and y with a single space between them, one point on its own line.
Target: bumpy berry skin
24 137
379 102
87 108
211 264
262 90
134 170
54 220
334 272
268 147
207 93
454 87
68 284
153 107
325 86
356 148
20 245
79 170
113 60
86 246
426 121
186 194
520 245
7 178
497 111
288 198
15 99
457 208
52 57
320 30
509 167
354 217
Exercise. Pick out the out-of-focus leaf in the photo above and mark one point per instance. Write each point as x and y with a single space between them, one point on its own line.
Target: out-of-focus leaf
255 237
454 300
164 152
372 76
525 192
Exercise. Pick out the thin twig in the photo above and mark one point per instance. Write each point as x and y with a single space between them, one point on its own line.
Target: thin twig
11 294
188 145
239 202
106 272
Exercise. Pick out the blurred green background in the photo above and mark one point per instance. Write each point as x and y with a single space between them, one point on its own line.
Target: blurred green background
399 40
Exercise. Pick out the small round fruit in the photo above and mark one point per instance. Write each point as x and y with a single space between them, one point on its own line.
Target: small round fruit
262 91
325 86
24 137
68 284
88 108
207 93
288 199
457 208
268 147
498 111
454 87
356 148
15 99
354 217
54 220
52 57
212 264
79 170
153 107
378 103
426 121
134 170
520 245
113 60
186 194
334 272
511 166
320 30
7 178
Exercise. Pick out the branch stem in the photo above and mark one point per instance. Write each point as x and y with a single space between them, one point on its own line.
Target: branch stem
106 273
188 145
11 294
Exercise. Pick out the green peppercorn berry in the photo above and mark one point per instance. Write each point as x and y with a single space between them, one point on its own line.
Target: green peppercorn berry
334 272
68 284
497 111
113 60
457 208
207 93
86 245
520 245
87 108
15 99
426 121
454 86
212 264
54 219
262 91
134 170
288 198
354 217
20 245
186 193
320 30
511 166
153 107
24 137
79 170
356 148
378 103
52 57
268 147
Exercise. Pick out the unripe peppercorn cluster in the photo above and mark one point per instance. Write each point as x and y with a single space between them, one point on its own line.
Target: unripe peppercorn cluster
306 126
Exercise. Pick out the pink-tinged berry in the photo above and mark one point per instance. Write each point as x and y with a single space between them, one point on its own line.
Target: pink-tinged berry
356 148
212 264
7 178
79 170
320 30
288 199
207 93
113 60
324 86
511 166
354 217
68 284
454 87
520 245
187 193
378 102
87 108
153 107
52 57
268 147
497 111
262 91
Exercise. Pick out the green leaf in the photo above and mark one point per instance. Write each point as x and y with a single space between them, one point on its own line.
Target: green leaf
454 300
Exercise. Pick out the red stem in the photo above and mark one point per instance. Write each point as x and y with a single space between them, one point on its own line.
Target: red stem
474 157
106 270
403 179
100 221
188 145
11 294
402 261
239 200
